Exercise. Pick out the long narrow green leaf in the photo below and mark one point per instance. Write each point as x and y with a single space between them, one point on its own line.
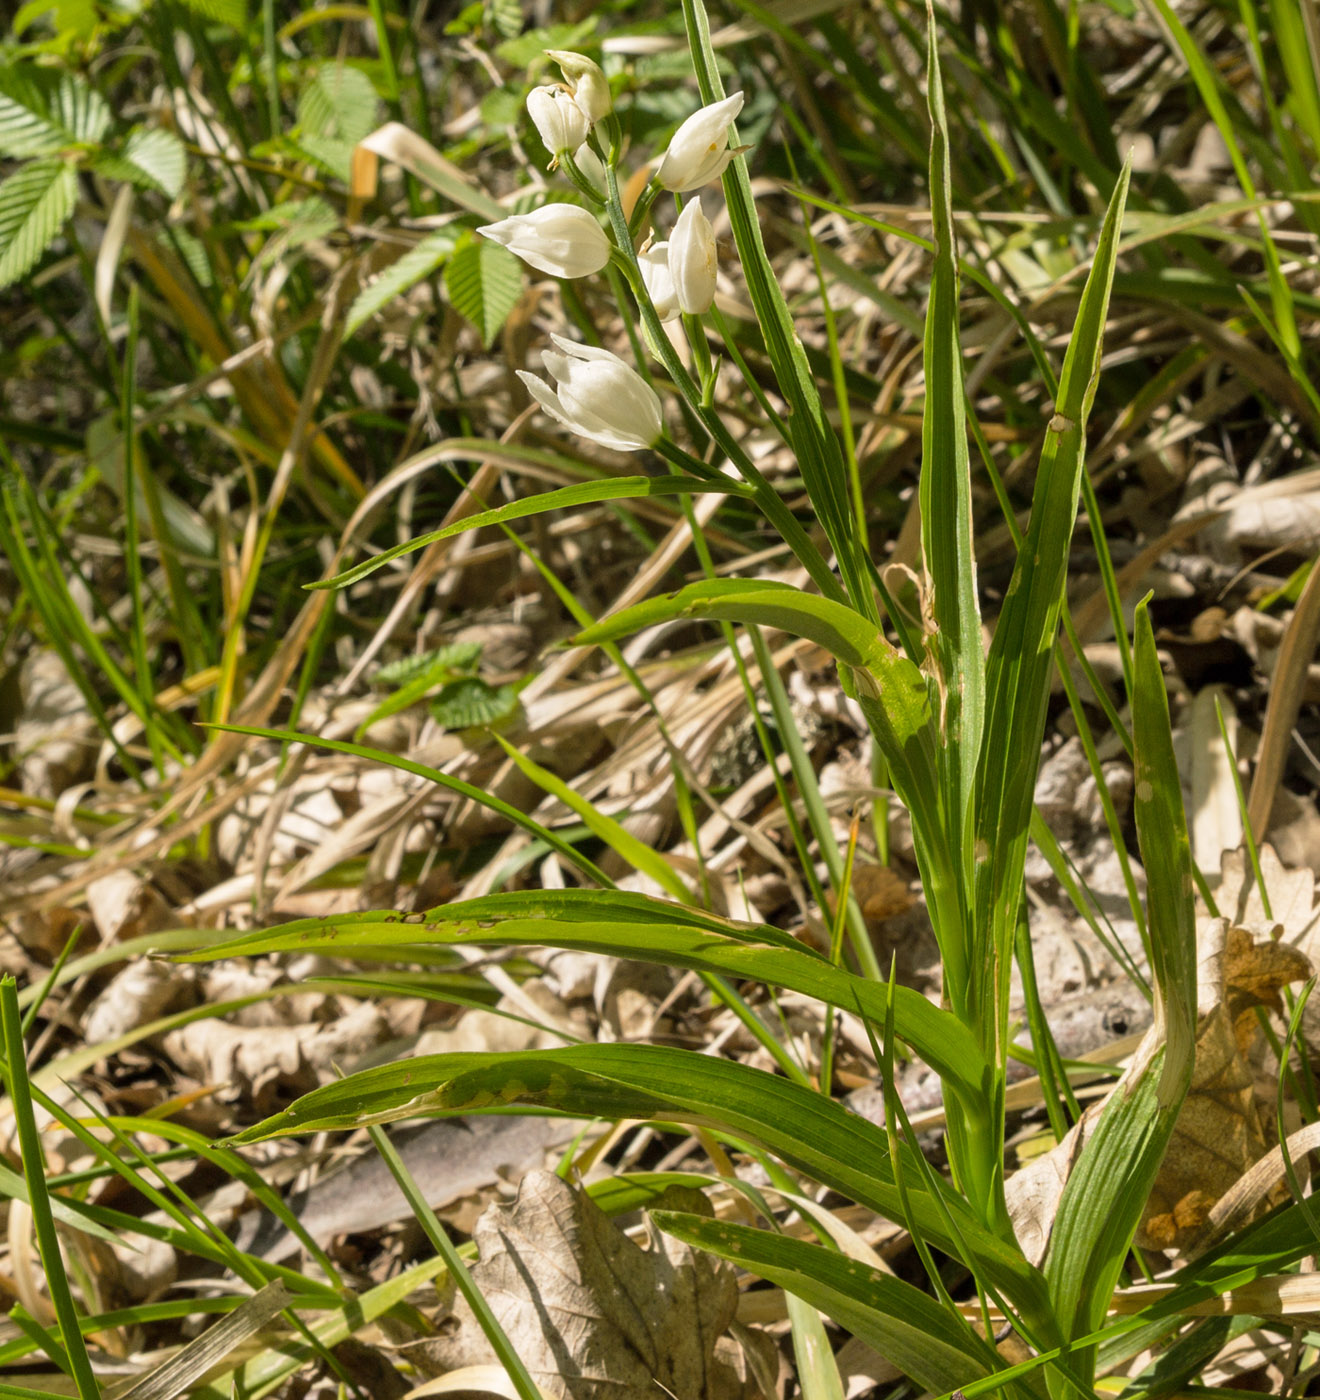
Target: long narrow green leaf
804 1128
1106 1193
1020 660
906 1326
624 924
946 511
819 455
566 498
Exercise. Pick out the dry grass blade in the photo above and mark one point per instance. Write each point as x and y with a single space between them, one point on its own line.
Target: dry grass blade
212 1349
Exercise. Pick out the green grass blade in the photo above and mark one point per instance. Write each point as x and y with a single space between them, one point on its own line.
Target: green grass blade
458 1271
1107 1191
812 437
946 503
43 1219
421 770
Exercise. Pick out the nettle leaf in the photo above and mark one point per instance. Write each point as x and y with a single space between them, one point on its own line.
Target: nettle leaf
158 157
417 676
505 17
417 263
472 703
41 114
340 102
484 282
456 656
230 12
35 201
333 155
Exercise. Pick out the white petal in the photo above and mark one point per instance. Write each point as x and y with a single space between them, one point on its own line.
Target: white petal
544 395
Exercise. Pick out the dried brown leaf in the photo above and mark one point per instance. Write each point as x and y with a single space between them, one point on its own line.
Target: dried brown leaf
591 1313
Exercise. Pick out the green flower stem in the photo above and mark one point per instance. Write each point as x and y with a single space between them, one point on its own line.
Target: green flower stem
642 208
571 168
766 497
701 358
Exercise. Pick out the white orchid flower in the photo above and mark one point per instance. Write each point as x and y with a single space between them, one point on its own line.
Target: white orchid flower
597 396
562 239
562 124
699 151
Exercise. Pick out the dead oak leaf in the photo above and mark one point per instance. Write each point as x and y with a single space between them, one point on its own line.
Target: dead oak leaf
1219 1133
591 1313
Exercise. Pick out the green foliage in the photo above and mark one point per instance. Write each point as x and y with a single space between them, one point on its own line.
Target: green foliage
485 283
34 203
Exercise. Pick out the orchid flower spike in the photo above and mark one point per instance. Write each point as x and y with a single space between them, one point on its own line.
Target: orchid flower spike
562 239
597 396
699 150
587 83
561 123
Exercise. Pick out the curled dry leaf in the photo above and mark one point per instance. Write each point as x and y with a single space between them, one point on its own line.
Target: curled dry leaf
591 1313
258 1062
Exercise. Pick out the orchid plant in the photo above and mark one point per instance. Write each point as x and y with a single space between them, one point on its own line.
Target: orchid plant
957 731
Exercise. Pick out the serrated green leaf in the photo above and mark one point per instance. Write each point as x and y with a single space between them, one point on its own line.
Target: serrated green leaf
288 213
230 12
41 114
484 282
471 703
34 203
158 157
505 17
332 154
418 262
457 656
80 110
339 102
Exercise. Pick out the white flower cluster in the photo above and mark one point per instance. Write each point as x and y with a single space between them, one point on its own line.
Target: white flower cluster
597 394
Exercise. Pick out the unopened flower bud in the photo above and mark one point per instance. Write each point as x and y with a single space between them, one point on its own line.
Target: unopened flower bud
598 396
589 86
561 239
699 151
692 260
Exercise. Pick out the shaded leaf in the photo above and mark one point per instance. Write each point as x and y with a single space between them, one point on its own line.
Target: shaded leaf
34 203
484 282
470 703
41 115
418 262
339 102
